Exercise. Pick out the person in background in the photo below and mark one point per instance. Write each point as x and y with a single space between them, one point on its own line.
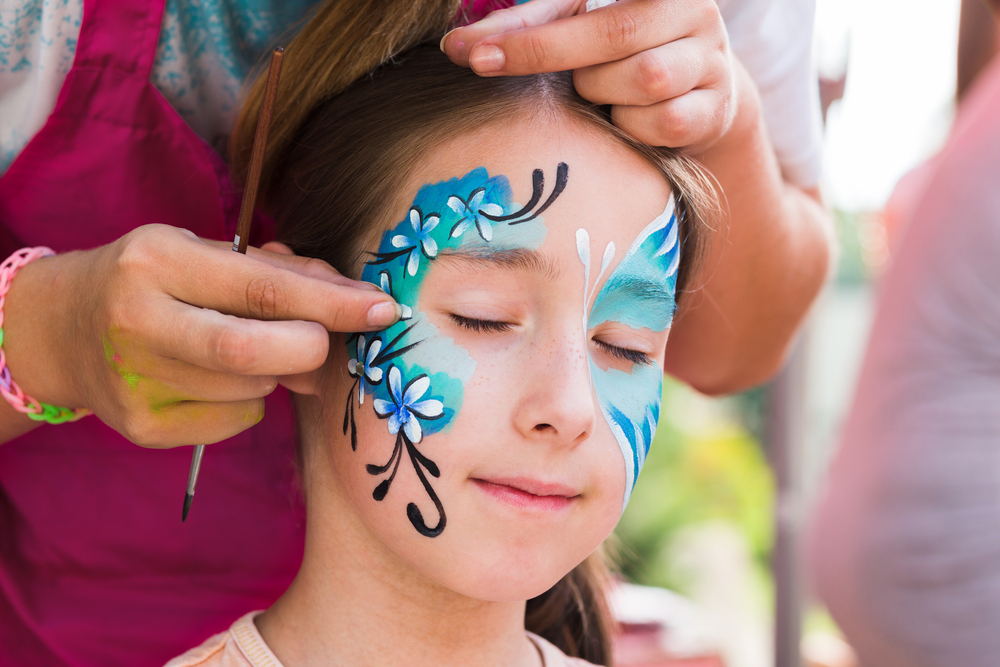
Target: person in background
113 117
904 547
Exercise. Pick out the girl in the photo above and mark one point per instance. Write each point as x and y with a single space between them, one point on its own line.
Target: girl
461 466
109 112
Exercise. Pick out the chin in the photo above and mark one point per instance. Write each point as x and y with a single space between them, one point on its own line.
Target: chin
508 579
501 565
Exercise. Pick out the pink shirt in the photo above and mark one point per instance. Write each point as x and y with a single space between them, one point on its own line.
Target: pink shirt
905 549
242 646
96 567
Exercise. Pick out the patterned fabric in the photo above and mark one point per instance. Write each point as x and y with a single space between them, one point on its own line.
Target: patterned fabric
206 50
208 47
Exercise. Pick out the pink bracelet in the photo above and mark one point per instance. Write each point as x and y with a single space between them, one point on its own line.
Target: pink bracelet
8 388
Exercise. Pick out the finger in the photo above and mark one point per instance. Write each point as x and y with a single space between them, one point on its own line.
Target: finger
227 344
302 383
652 76
688 120
604 35
459 41
192 423
309 382
160 381
248 286
281 256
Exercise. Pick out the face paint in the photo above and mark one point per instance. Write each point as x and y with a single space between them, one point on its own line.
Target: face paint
415 376
639 294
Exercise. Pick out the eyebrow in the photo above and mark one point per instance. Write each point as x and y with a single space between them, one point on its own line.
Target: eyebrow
517 259
638 287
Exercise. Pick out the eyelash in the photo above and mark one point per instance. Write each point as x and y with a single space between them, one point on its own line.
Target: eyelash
492 326
480 326
625 354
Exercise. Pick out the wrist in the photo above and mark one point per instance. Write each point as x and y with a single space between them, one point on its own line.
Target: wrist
38 325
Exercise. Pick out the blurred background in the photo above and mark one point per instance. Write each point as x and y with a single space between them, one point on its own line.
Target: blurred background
716 515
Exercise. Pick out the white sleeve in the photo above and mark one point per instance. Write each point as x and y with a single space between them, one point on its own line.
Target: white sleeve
773 40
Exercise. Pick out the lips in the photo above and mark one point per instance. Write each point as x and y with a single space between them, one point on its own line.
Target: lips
528 494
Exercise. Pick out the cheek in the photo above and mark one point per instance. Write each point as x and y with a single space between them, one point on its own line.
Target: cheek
630 403
380 481
371 466
479 554
610 480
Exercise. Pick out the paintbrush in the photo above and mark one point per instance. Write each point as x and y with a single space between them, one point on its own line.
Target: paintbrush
246 215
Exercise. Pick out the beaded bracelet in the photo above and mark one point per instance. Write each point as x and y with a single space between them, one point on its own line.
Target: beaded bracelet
8 388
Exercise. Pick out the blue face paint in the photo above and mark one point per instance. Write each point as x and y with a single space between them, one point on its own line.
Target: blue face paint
639 294
414 375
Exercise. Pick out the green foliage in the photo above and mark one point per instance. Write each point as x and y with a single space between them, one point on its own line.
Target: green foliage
702 466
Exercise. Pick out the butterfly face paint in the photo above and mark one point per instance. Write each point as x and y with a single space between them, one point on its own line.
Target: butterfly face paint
414 376
639 294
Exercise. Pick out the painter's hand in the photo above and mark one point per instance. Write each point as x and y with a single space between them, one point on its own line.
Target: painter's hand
664 65
172 340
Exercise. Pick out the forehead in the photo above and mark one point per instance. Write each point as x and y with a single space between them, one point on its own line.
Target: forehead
611 191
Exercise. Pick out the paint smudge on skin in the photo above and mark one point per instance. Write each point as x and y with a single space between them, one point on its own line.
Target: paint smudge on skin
158 396
118 365
640 294
415 376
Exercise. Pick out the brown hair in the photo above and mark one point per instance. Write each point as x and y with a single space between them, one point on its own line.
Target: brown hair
342 42
346 144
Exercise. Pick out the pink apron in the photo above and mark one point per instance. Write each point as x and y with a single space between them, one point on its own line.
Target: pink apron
95 565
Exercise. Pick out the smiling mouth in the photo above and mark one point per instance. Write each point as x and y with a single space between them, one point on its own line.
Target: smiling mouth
528 494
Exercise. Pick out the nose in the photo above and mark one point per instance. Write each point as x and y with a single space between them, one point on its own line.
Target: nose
557 402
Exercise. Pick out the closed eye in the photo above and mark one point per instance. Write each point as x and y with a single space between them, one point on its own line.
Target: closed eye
480 326
625 354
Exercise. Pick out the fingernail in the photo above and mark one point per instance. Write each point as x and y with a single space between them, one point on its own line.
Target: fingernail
441 45
384 314
362 284
486 58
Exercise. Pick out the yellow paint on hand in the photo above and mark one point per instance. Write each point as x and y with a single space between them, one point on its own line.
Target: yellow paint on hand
118 364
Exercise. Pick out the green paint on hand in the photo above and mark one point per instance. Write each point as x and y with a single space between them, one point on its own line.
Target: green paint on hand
115 361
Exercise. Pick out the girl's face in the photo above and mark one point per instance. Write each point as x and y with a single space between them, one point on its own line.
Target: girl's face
491 439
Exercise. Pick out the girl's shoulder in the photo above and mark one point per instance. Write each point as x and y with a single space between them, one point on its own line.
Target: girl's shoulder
552 656
239 646
242 646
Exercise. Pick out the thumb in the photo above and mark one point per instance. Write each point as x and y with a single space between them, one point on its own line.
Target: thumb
459 42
